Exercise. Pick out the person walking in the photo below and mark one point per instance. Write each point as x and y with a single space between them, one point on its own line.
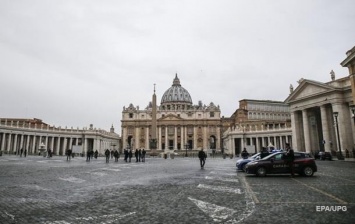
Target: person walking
130 154
290 157
21 152
115 154
136 155
245 154
202 156
125 152
139 155
88 156
68 154
25 152
96 154
107 154
143 155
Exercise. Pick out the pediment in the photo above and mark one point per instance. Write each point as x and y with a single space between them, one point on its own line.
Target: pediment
309 88
170 117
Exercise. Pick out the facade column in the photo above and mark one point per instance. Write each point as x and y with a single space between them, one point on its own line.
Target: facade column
175 137
146 145
218 139
307 139
182 138
257 144
159 143
185 134
195 138
263 141
166 138
136 138
296 131
325 128
344 123
206 139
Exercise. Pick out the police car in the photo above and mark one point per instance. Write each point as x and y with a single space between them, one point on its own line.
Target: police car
277 163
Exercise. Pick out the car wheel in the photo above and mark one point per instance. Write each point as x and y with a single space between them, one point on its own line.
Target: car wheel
261 172
244 167
308 171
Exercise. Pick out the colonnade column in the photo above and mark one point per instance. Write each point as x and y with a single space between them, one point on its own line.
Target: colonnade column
9 142
58 145
307 139
52 143
325 128
15 143
70 143
65 147
33 144
3 142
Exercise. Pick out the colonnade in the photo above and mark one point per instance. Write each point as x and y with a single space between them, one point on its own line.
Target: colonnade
315 128
234 142
15 138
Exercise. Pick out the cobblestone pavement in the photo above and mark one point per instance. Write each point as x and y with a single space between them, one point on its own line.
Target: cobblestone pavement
41 190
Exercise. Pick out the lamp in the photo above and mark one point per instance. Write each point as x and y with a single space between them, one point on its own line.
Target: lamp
340 156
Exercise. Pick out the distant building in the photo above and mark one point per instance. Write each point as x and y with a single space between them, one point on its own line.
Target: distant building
34 134
257 124
175 124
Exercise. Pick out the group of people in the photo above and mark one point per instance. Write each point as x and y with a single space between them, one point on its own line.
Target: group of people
138 153
21 151
114 154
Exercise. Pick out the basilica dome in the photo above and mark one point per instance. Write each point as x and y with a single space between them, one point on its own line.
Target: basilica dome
176 94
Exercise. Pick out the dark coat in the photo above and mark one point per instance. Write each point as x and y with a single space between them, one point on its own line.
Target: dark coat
202 155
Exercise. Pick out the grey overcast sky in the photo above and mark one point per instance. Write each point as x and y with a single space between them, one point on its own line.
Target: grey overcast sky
73 63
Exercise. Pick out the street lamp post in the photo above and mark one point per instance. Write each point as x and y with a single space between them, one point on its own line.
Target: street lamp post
340 155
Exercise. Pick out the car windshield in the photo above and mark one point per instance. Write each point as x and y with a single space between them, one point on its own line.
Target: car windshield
256 155
272 155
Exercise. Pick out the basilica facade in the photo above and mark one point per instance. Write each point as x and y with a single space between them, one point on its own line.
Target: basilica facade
175 124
